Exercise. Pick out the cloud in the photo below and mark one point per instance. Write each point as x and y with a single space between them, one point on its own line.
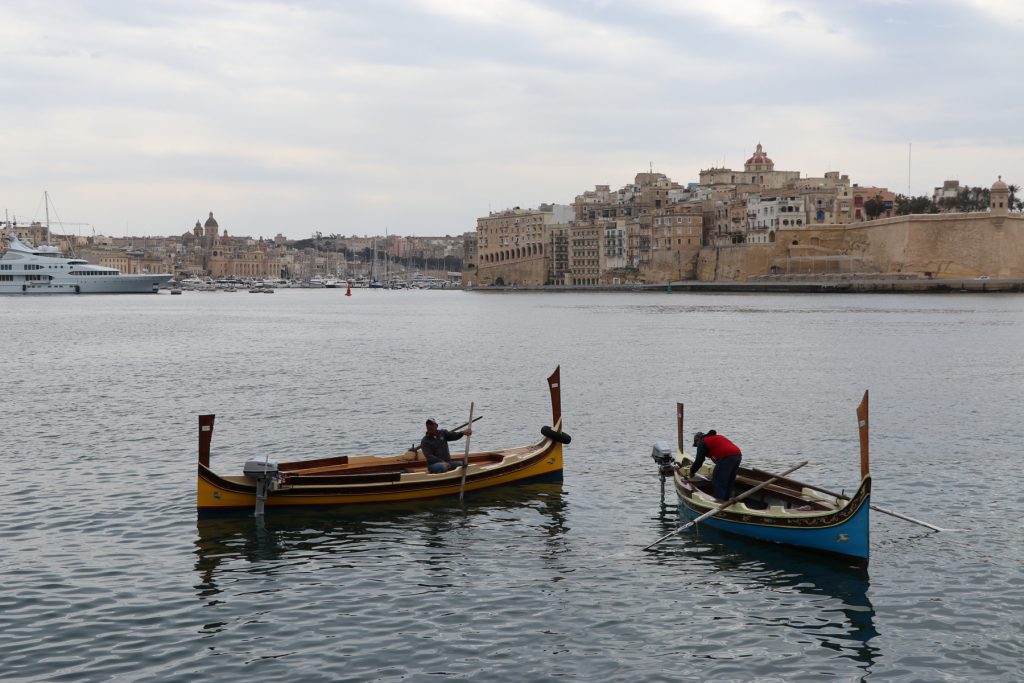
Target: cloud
422 114
1010 12
799 28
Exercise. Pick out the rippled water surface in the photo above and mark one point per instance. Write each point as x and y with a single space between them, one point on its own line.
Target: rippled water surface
107 573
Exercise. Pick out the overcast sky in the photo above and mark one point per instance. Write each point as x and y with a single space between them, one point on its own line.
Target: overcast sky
417 116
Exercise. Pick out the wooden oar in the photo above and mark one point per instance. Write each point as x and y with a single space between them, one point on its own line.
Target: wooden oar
465 458
873 506
734 499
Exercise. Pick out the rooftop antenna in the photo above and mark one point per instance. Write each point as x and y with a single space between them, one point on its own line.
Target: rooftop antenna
910 149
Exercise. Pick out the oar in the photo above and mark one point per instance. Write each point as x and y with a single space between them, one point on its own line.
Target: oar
873 506
466 424
734 499
465 458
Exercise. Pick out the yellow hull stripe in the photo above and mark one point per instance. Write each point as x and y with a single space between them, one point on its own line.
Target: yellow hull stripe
212 496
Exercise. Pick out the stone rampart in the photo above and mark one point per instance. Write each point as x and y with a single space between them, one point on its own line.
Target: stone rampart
927 246
521 272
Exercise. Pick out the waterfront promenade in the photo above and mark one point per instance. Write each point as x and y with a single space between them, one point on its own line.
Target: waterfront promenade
896 286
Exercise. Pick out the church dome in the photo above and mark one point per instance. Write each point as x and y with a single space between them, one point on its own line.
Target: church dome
999 185
759 157
211 222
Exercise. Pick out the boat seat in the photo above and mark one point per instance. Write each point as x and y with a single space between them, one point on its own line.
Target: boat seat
335 479
309 464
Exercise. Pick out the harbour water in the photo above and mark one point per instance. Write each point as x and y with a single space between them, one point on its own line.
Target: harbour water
108 575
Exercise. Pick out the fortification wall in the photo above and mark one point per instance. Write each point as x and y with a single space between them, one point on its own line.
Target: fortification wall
666 266
523 272
940 246
736 262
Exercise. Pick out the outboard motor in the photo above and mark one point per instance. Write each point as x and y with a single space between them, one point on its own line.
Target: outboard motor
265 473
662 456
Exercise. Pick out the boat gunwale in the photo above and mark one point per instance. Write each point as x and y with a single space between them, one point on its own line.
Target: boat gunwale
811 519
539 451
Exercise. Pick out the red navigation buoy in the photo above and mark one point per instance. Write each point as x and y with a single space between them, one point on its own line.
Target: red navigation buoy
348 290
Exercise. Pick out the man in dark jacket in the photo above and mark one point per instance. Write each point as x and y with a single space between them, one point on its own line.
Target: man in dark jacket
725 454
434 445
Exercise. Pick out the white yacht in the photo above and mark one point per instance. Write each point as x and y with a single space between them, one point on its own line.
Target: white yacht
25 269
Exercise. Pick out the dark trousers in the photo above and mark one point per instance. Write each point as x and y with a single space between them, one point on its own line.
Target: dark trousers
724 476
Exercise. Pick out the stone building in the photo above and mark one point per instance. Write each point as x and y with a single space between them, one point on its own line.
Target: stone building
820 195
767 214
948 192
470 256
584 255
625 221
758 170
729 218
559 252
513 246
613 246
676 238
210 252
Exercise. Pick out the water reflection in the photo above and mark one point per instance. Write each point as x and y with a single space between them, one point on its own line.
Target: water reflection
843 621
360 536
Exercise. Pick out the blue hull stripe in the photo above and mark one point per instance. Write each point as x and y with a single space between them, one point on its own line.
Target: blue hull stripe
849 538
846 532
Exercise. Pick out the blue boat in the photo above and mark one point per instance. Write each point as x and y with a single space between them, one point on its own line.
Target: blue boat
776 508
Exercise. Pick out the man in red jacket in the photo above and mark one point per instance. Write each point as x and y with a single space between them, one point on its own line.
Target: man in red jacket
725 454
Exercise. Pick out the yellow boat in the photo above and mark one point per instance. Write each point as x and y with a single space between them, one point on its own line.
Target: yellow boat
362 479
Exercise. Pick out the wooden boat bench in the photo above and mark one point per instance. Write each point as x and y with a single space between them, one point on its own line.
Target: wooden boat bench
335 479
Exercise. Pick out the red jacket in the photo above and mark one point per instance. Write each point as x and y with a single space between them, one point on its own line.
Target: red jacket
720 447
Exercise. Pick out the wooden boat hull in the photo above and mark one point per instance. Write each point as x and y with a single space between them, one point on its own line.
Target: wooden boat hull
843 530
364 479
231 493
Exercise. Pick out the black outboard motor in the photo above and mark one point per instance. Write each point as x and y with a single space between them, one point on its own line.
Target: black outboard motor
662 456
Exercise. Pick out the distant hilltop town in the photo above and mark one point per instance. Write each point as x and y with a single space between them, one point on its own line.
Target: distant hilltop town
749 225
758 224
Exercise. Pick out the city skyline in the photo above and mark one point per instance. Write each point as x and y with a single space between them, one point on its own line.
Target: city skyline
418 117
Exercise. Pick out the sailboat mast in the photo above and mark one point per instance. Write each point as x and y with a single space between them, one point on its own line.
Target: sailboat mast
46 201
